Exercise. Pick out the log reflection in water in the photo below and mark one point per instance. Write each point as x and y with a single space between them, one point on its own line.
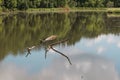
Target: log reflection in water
29 49
61 54
50 46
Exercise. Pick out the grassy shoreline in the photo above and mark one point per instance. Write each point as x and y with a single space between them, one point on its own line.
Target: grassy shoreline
64 10
74 10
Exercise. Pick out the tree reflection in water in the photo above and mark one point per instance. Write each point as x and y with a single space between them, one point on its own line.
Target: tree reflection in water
22 30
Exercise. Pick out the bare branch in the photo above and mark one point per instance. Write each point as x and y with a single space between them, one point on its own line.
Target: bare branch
61 54
46 50
27 54
58 42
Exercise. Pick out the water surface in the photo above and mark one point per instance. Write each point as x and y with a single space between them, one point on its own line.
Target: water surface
93 46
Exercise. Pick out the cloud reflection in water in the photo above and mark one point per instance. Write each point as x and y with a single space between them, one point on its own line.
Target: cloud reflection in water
85 67
12 72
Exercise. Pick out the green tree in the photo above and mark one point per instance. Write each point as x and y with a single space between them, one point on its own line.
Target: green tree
45 3
10 4
25 4
94 3
34 3
117 3
1 2
52 3
61 3
72 3
90 3
99 3
81 2
22 5
110 4
38 3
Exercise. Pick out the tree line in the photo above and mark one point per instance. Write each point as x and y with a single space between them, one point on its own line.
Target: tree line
25 4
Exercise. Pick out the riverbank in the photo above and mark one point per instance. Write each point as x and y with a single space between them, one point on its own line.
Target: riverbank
74 10
63 10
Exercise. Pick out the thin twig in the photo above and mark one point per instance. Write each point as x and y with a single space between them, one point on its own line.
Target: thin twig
61 54
46 50
27 54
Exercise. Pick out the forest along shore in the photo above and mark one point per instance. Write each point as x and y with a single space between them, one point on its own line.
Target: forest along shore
41 6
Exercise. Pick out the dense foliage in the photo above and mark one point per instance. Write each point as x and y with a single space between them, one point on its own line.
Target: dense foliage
25 4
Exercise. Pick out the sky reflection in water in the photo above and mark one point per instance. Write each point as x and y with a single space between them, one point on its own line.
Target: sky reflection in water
92 59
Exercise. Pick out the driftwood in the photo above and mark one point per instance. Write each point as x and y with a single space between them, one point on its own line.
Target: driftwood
51 47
